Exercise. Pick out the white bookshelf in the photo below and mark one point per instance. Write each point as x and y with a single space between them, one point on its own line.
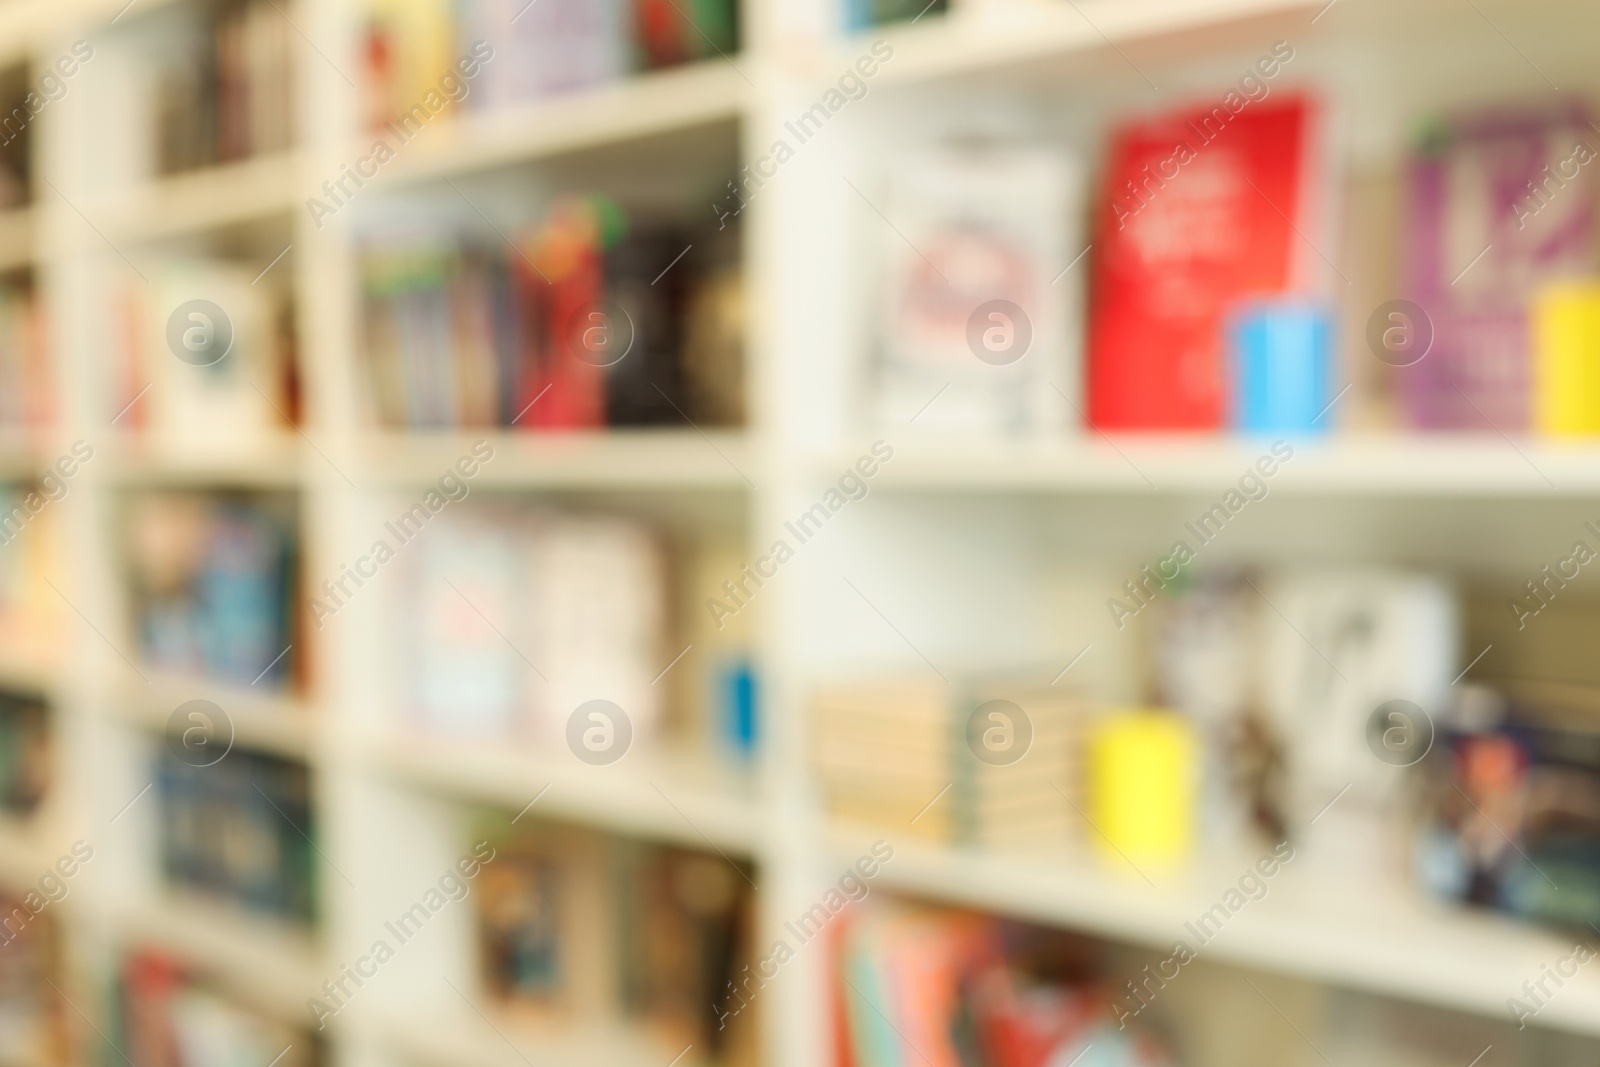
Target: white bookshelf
390 805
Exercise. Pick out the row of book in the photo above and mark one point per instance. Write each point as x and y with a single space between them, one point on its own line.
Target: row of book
211 577
225 84
539 50
172 1016
916 984
34 1019
25 393
25 751
573 924
240 831
202 355
1211 306
593 318
1249 719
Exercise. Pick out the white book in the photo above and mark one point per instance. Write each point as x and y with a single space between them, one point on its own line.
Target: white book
596 598
469 680
969 305
208 396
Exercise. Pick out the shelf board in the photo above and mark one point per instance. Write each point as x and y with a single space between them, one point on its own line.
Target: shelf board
607 459
692 802
275 463
448 1037
16 238
647 105
974 41
1441 465
262 721
209 198
275 962
1381 940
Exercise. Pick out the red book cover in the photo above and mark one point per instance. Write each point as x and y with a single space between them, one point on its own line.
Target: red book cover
570 390
1196 217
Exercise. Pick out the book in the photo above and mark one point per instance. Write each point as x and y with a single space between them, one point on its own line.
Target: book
211 580
25 751
173 1017
1203 209
470 682
217 366
25 394
968 302
1500 203
685 933
241 831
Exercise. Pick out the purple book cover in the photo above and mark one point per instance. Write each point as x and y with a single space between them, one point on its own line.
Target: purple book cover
1500 204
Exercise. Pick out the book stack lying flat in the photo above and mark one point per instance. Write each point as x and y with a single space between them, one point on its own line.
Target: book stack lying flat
980 762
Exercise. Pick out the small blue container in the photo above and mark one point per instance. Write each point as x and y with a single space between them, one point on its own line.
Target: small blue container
1281 358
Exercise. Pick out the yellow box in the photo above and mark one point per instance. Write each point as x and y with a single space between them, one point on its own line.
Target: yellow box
1143 774
1566 359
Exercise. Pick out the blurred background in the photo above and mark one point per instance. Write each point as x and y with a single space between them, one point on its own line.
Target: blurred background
835 533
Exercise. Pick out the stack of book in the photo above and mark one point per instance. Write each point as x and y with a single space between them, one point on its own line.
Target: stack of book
172 1018
33 1017
521 616
594 319
24 363
224 90
912 755
24 751
240 830
211 583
